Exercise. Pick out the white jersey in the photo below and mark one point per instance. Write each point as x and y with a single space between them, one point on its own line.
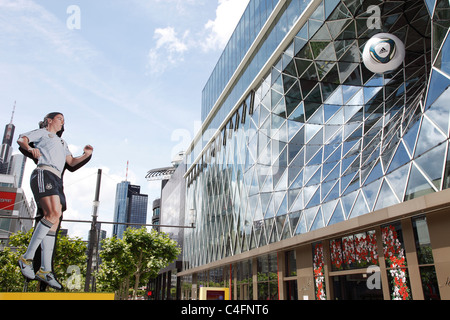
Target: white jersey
54 150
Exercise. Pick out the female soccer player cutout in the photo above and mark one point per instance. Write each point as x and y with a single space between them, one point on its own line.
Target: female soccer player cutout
52 154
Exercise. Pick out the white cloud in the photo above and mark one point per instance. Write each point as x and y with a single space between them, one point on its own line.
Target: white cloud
169 49
221 28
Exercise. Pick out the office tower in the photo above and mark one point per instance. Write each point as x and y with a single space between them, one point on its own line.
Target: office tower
130 208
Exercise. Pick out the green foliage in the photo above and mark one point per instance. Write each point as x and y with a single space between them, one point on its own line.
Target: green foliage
136 258
69 252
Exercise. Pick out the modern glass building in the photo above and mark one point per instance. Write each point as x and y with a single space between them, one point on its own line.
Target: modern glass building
313 177
130 207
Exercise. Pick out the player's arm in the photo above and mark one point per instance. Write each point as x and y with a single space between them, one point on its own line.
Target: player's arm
73 161
24 144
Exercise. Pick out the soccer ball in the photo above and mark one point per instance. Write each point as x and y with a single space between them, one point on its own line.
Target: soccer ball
383 52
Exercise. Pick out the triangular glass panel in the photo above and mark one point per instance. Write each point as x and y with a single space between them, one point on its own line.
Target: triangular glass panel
400 158
301 227
360 206
287 233
338 215
430 6
417 185
309 192
432 164
337 26
279 223
331 171
294 217
322 34
293 99
310 215
439 111
311 130
298 202
319 14
443 61
298 114
410 137
377 172
398 180
292 128
347 202
282 209
371 192
327 210
317 118
386 197
429 136
318 221
326 188
350 91
438 83
334 193
335 101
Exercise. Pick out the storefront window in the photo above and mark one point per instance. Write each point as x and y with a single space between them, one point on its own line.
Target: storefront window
319 272
425 258
244 280
268 277
291 264
354 251
396 264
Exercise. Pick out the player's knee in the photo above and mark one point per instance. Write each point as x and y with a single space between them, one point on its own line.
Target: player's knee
53 214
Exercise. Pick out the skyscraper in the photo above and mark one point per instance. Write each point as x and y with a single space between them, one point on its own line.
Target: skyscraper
6 149
130 207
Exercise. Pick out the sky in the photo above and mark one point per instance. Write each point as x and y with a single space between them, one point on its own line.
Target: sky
127 75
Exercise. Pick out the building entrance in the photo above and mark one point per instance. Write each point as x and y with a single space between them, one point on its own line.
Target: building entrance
354 287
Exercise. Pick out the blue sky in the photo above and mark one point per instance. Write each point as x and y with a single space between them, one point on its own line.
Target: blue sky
128 82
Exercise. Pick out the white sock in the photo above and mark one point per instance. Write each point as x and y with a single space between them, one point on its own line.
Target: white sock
47 246
41 230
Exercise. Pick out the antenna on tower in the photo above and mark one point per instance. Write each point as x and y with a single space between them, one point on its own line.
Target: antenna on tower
126 176
14 110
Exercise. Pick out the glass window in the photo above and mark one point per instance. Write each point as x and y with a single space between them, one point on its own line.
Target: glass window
291 263
422 237
268 277
244 280
425 258
429 283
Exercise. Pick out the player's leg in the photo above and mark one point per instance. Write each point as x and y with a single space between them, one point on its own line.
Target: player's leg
52 212
51 207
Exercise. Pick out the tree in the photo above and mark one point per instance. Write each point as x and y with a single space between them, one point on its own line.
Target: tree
69 252
138 257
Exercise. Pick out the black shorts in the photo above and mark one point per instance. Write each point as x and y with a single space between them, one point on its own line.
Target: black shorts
44 184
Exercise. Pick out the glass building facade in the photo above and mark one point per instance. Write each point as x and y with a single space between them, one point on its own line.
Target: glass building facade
299 137
130 207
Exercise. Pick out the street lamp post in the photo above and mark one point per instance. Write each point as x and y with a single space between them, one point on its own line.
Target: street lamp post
93 236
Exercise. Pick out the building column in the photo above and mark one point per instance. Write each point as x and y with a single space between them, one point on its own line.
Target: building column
305 278
281 273
255 278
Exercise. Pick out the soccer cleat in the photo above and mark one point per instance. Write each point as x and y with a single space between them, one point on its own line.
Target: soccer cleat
49 278
26 267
